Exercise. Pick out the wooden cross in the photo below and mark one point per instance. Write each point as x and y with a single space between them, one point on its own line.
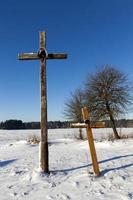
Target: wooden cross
89 127
43 56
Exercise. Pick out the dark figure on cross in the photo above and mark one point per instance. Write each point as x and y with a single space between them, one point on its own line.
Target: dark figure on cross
42 53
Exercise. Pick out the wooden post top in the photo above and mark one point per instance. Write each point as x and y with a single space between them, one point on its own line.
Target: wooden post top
85 114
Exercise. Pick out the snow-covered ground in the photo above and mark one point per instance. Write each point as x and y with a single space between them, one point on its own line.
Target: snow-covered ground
70 167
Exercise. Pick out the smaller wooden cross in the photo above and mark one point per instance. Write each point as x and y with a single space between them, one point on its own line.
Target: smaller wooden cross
89 127
42 56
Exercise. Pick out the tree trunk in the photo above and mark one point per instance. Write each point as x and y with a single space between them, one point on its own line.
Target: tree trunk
80 133
112 122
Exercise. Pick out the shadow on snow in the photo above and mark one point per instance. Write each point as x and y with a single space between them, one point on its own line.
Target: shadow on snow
6 162
102 161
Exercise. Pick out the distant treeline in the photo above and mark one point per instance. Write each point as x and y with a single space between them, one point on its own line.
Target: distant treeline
125 123
19 124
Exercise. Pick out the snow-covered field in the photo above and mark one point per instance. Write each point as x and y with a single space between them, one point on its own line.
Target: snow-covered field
70 167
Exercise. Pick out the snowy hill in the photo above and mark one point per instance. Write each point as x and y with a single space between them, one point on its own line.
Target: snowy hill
70 166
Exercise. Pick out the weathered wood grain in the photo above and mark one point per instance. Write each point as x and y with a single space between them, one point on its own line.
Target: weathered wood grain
28 56
44 164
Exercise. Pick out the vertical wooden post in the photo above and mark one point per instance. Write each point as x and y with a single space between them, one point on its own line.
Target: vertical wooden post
43 143
91 141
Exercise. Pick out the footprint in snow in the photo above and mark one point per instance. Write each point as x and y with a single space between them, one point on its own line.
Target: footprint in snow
10 186
77 184
14 194
59 197
130 195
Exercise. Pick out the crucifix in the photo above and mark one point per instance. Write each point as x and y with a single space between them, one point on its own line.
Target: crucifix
88 126
42 56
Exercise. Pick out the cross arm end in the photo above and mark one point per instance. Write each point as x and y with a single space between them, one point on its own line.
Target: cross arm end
57 56
28 56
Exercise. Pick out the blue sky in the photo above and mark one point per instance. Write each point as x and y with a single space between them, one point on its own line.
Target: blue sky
92 32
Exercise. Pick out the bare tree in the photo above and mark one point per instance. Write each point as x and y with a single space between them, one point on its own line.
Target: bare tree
73 108
107 94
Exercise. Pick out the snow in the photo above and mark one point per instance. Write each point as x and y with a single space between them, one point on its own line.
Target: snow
71 176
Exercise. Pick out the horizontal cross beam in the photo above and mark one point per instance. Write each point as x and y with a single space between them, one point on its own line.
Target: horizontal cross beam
34 56
83 125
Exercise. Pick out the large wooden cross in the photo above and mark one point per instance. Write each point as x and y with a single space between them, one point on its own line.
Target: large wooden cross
43 56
